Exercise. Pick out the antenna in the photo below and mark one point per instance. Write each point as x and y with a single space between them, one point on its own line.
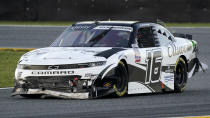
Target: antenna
96 22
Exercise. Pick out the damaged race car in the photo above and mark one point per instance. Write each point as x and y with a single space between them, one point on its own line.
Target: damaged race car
94 59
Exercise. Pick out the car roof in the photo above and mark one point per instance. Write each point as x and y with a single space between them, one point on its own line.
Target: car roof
117 23
120 23
107 22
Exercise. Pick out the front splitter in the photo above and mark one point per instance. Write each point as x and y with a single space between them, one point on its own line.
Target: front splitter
20 91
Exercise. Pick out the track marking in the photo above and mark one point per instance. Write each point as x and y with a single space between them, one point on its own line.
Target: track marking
6 88
191 27
198 117
192 117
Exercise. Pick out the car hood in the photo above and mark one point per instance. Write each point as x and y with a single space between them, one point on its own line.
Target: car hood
62 55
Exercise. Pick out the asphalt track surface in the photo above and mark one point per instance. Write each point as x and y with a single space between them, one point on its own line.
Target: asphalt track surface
193 102
28 37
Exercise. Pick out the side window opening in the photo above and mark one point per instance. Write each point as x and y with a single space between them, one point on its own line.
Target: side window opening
164 38
164 33
170 38
146 37
159 31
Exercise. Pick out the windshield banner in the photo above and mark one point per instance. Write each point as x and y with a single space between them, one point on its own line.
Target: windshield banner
124 28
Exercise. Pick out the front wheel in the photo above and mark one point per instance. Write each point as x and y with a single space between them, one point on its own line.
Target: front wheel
121 85
180 76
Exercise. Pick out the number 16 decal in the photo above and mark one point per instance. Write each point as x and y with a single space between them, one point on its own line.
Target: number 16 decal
153 60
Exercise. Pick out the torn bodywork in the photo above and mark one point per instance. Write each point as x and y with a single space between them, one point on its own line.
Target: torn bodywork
67 87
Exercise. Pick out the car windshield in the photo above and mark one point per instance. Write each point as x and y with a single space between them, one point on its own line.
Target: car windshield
94 36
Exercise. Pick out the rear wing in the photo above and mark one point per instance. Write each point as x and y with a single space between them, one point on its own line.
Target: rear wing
187 36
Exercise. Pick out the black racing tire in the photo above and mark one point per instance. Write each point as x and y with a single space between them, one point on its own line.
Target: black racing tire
121 85
180 76
31 95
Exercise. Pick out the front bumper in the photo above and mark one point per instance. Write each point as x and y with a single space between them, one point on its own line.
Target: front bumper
61 87
79 84
54 86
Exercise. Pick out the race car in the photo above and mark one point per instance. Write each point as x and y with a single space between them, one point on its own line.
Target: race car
99 58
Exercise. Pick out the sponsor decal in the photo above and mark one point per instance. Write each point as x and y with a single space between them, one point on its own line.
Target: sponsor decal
145 25
55 72
79 27
193 43
137 53
169 70
174 50
169 78
137 59
91 76
124 28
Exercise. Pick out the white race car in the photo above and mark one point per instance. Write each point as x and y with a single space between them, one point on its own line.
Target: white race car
94 59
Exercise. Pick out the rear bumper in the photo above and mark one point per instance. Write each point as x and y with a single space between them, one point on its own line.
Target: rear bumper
21 91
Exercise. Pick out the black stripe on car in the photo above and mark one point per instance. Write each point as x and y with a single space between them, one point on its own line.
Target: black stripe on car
110 52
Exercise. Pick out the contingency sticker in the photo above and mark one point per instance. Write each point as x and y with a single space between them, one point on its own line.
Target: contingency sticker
83 27
124 28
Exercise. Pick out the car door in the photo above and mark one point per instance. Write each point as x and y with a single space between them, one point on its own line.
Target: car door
165 39
148 71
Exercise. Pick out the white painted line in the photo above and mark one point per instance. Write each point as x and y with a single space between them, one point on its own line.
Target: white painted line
207 116
191 27
6 88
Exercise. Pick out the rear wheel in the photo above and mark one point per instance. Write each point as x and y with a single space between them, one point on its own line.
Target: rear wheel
180 75
121 84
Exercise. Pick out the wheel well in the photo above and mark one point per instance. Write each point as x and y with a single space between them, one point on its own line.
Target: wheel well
185 59
126 65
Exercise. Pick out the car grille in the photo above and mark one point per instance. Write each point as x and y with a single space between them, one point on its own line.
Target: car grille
51 82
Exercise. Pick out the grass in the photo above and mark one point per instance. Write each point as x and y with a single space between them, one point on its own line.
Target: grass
188 24
8 64
67 23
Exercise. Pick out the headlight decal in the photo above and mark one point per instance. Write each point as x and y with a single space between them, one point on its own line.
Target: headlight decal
66 66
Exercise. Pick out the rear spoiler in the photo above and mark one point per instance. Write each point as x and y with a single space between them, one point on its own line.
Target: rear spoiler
187 36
